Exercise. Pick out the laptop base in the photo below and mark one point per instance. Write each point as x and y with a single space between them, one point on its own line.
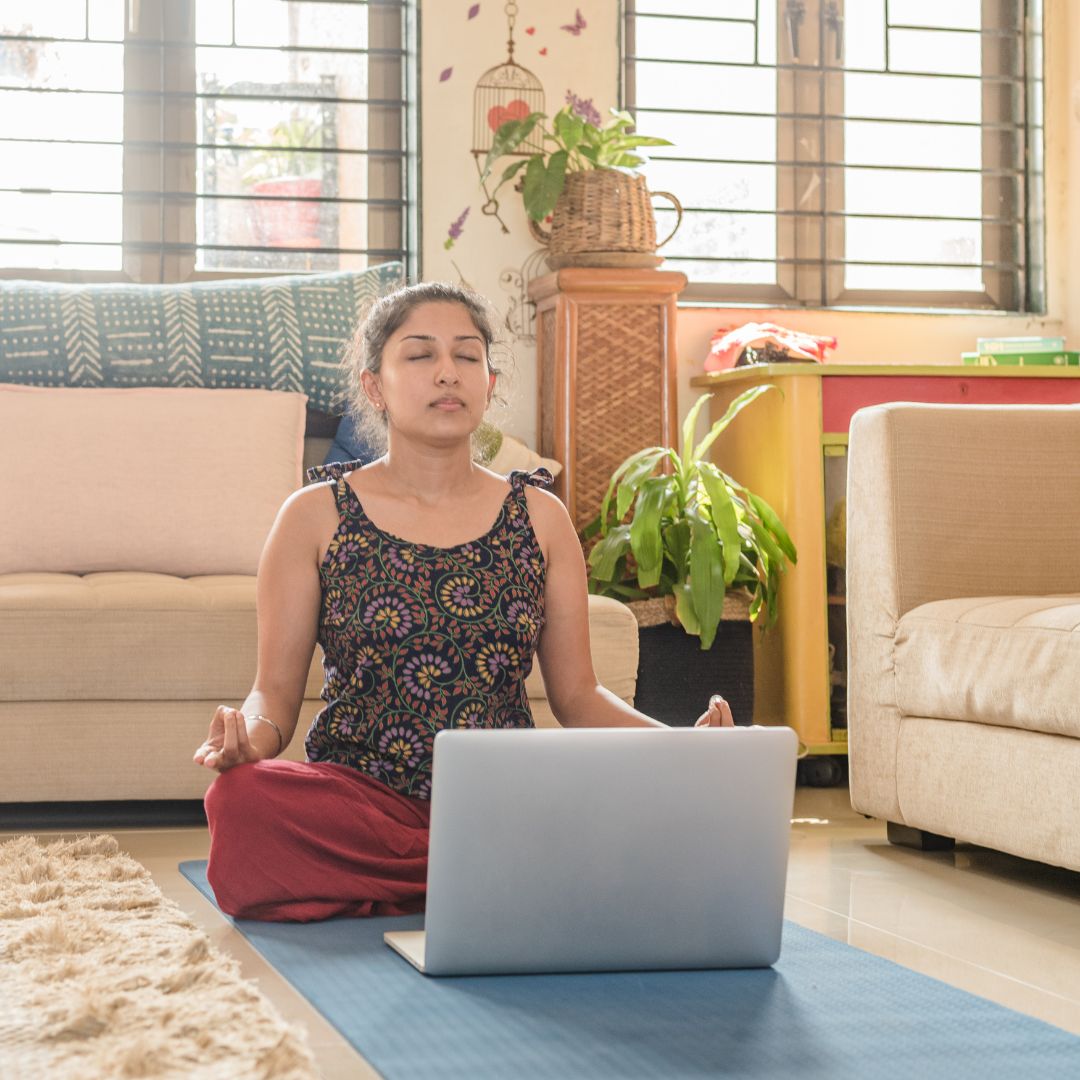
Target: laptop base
409 944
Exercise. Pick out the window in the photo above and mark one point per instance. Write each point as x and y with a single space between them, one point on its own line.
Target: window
166 140
828 153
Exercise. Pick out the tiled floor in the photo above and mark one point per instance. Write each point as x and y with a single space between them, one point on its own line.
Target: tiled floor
997 926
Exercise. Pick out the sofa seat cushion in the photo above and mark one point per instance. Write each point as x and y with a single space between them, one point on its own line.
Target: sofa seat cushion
1012 661
126 636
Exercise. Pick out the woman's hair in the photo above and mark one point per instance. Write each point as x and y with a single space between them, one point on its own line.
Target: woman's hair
386 315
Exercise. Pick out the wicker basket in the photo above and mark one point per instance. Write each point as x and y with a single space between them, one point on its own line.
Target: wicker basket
604 217
660 610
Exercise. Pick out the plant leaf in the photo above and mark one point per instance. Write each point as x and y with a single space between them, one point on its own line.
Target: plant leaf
511 171
707 585
677 547
689 426
626 592
590 529
733 410
508 137
543 186
763 539
535 175
684 609
605 504
773 523
725 519
632 479
568 128
628 142
606 554
560 122
646 541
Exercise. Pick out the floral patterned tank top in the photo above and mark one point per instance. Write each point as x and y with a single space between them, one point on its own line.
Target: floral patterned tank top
418 638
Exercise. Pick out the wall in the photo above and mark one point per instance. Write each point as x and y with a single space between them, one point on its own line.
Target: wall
1066 87
587 63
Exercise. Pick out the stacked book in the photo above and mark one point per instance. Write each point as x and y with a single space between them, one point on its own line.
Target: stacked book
1022 352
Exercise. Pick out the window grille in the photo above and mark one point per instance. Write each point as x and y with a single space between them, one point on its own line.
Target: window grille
170 140
858 153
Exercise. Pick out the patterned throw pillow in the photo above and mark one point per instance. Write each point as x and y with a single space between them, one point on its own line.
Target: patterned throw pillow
282 333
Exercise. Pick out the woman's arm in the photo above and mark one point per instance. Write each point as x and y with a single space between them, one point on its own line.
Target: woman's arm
288 598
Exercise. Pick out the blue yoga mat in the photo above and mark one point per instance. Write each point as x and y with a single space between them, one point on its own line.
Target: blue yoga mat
826 1010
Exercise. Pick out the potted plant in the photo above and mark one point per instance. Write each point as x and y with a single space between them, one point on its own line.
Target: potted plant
695 543
285 170
582 179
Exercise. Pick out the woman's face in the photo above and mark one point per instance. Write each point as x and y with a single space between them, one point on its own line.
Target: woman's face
434 383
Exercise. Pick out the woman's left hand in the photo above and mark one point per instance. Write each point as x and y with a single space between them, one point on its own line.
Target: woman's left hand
718 715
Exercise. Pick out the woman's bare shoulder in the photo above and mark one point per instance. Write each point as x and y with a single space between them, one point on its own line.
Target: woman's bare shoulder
550 520
309 515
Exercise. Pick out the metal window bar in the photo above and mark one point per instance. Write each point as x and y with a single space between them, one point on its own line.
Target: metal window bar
178 96
1013 25
180 248
136 43
166 41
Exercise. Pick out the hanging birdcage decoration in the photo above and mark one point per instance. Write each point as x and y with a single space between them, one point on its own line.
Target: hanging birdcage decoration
506 92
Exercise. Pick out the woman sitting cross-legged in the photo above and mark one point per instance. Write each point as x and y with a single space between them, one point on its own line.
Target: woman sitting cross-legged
430 583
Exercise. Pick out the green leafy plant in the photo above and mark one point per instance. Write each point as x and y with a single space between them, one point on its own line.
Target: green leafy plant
693 533
575 140
291 150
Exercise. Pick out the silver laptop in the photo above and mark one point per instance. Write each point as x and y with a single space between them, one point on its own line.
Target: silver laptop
604 850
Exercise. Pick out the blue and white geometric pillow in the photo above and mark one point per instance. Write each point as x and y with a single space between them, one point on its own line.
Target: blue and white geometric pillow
281 333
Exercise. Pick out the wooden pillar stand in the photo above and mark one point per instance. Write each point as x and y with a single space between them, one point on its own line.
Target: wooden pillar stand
606 370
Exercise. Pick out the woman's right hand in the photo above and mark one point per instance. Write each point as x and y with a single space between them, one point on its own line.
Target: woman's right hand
228 743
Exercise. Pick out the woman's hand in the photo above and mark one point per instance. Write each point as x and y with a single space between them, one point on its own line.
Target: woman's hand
228 743
718 714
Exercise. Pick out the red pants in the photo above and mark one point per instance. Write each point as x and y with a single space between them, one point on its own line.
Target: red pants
296 841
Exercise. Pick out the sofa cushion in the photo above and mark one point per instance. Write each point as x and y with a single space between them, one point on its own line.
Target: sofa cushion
107 750
130 637
171 481
1013 661
152 637
277 333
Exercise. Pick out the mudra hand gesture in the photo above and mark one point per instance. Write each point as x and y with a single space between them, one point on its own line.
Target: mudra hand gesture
717 715
227 744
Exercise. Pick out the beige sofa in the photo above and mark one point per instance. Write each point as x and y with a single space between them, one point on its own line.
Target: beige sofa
132 524
963 572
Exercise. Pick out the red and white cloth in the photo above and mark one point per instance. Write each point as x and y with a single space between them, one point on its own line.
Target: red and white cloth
727 345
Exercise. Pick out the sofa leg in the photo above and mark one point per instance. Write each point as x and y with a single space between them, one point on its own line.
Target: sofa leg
920 839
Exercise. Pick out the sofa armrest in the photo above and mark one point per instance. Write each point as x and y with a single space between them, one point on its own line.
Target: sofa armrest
945 501
613 641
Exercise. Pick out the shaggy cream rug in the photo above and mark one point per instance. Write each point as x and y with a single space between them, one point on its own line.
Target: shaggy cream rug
102 976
